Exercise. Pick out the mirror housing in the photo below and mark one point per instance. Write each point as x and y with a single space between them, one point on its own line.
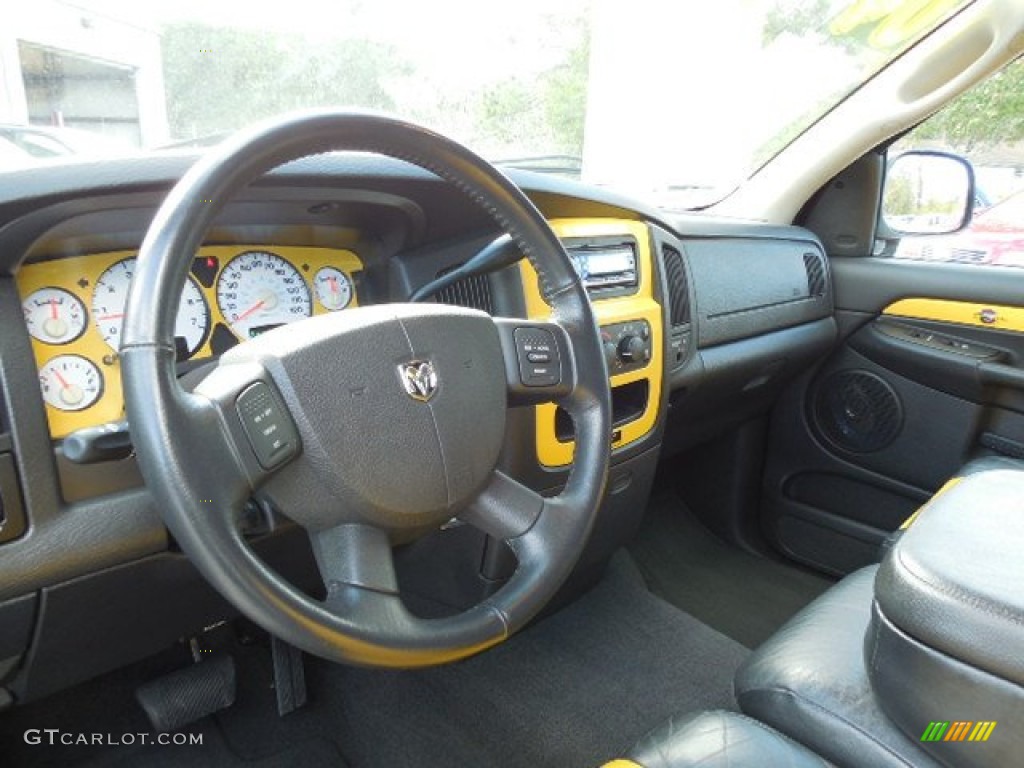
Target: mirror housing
927 192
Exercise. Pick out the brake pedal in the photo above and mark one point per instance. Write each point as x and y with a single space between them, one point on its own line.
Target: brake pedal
186 695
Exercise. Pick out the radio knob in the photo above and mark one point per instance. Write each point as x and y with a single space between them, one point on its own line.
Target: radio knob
631 349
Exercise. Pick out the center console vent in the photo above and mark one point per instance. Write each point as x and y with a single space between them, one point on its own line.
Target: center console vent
678 293
678 304
471 292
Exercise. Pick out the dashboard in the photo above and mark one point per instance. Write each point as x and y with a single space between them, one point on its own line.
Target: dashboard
74 311
703 323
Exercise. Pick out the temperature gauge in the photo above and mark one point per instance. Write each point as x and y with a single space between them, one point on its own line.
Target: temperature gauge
70 383
333 288
54 316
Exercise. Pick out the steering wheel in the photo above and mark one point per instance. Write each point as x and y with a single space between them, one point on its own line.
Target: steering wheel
368 427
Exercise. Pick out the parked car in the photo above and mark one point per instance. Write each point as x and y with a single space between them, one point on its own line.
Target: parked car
994 236
28 144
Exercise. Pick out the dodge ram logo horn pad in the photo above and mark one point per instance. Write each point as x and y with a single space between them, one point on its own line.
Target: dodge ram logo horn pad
419 379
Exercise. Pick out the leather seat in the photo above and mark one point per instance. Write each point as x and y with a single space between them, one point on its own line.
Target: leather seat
717 740
864 671
810 681
836 673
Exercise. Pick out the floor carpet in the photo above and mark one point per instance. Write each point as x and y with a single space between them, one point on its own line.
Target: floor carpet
743 596
571 691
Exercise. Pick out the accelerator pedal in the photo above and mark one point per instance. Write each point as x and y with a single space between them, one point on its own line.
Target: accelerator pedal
186 695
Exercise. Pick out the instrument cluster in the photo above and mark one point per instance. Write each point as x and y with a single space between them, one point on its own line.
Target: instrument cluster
74 311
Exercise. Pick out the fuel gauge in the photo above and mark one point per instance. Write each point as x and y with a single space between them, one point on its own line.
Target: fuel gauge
54 316
70 383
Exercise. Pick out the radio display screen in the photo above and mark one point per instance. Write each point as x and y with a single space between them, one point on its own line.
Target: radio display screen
610 262
605 266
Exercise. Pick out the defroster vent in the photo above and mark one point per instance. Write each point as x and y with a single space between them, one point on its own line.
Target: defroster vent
815 274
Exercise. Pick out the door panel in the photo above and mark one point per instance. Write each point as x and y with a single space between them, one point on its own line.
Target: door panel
913 391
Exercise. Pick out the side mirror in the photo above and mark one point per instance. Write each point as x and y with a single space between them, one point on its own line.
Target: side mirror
927 193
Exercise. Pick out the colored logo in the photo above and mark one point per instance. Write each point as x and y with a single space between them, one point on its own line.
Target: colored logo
958 730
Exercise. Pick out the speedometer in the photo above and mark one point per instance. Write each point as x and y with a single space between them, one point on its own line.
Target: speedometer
111 294
257 291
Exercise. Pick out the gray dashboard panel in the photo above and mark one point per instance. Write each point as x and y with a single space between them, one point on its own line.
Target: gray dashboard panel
745 286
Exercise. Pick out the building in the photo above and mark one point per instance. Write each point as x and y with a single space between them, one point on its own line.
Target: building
63 66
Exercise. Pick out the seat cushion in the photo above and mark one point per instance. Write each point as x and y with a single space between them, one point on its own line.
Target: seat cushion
810 682
718 740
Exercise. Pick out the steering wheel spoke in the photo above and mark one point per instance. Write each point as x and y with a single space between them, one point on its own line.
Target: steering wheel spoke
354 555
539 364
505 509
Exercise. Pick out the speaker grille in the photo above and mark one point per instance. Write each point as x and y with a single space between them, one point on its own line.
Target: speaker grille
857 411
815 275
678 295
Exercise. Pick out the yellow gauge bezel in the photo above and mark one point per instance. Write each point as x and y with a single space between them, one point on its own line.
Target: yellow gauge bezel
78 274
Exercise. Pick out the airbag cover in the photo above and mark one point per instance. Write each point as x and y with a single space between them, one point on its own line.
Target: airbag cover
387 452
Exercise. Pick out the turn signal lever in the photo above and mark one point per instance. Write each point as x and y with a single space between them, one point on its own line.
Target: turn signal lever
501 252
106 442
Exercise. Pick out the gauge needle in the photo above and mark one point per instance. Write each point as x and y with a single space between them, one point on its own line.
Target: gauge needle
254 308
111 317
334 284
63 382
53 308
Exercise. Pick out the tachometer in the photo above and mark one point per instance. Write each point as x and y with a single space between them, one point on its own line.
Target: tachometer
54 316
259 290
111 294
70 382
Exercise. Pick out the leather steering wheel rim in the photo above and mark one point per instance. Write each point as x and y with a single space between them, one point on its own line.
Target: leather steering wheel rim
197 467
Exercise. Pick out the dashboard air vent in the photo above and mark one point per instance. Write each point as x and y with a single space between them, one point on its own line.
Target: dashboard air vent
815 275
678 294
471 292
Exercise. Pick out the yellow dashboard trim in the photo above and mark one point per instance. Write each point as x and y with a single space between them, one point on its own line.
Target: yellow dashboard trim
999 317
78 275
552 452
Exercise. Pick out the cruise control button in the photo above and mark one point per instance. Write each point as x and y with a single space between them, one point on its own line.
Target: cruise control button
538 357
269 428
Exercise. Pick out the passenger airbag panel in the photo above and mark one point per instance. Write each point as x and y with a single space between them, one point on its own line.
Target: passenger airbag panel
748 287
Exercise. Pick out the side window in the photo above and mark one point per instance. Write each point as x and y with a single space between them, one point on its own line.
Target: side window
985 125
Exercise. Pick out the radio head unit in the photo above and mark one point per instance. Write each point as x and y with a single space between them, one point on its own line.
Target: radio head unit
606 265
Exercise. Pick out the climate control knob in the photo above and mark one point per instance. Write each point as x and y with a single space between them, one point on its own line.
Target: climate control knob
632 349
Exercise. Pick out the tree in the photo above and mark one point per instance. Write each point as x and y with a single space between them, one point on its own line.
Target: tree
218 78
990 113
565 97
543 114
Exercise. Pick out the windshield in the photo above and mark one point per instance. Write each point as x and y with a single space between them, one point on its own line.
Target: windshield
677 103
